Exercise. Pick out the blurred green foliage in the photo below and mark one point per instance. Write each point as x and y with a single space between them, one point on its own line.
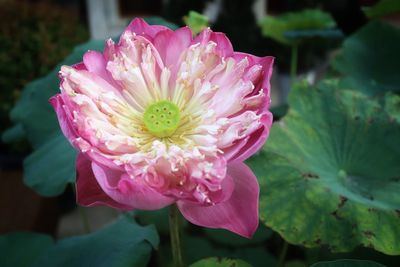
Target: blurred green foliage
122 243
383 8
196 21
308 19
348 263
22 249
370 59
34 37
220 262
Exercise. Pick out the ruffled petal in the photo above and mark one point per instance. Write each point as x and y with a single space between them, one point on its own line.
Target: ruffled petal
140 27
255 141
267 66
224 46
129 191
65 122
239 214
96 63
260 105
88 191
171 44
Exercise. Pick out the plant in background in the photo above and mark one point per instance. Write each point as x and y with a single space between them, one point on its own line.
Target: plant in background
382 8
368 66
237 20
33 39
196 21
293 28
162 118
175 10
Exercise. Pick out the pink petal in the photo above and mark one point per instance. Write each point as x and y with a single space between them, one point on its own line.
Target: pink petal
255 141
267 65
224 46
140 27
96 63
79 66
129 191
88 191
239 214
170 45
232 151
65 123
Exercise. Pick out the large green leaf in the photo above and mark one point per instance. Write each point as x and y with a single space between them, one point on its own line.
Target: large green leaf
121 244
371 59
50 167
322 254
22 249
347 263
220 262
329 175
230 239
392 105
383 8
312 20
197 248
157 217
303 34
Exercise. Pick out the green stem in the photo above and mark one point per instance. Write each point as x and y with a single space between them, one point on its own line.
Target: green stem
293 64
174 229
282 256
85 220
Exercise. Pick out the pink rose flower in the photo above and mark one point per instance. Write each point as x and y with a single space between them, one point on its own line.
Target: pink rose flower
162 118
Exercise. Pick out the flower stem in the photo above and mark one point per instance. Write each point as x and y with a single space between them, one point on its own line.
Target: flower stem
174 229
283 253
293 63
85 220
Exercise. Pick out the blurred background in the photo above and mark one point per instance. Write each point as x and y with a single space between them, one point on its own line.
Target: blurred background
36 35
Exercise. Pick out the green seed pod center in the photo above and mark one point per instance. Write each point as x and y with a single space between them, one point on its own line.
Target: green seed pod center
162 118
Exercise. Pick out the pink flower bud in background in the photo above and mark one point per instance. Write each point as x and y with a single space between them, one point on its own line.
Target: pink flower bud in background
162 118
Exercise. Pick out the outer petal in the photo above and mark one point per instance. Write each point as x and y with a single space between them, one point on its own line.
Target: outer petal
95 62
171 44
267 65
140 27
88 191
120 187
65 124
255 141
222 41
224 46
239 214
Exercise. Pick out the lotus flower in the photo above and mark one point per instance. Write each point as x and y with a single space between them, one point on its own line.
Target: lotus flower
162 117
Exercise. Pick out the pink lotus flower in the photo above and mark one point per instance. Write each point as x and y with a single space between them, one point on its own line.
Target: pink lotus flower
162 118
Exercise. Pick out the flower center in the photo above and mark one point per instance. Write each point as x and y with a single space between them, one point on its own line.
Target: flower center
162 118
